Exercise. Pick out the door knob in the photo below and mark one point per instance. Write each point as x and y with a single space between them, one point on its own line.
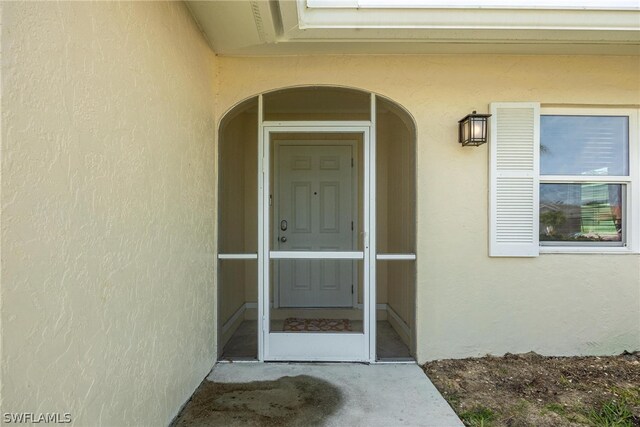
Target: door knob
283 239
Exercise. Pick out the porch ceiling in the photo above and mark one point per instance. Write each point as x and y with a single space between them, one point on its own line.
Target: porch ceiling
288 27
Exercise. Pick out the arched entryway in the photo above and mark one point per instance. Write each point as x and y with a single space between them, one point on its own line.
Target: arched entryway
316 227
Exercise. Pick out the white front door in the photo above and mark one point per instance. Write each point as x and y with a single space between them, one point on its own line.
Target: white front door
314 211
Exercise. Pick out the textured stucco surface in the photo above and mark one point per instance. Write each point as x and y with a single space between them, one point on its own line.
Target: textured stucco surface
108 210
467 303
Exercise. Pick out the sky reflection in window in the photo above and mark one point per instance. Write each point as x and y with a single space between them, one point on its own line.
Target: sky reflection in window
584 145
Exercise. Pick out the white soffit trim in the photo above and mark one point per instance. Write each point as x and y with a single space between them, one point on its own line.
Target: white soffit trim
234 25
486 4
460 17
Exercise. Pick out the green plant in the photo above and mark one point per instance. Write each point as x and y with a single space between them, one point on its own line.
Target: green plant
515 414
452 398
564 381
630 396
556 407
478 417
611 414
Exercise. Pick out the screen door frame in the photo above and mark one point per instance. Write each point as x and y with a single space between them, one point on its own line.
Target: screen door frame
310 346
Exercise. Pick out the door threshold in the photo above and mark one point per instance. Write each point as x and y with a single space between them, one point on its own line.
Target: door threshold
395 362
247 360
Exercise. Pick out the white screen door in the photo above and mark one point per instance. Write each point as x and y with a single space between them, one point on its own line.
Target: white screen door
315 294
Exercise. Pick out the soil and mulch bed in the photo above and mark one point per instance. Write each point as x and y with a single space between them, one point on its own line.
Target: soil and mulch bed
532 390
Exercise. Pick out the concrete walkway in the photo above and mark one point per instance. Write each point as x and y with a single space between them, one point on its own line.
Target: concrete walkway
354 394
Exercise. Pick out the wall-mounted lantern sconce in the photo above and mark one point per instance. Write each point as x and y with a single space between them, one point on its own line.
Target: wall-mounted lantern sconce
472 129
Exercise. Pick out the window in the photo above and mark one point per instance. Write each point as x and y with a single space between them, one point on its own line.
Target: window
563 180
585 182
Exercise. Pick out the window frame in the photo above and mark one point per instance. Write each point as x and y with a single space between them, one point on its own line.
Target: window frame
631 219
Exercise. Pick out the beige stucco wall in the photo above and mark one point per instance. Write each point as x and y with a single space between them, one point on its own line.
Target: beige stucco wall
108 213
467 303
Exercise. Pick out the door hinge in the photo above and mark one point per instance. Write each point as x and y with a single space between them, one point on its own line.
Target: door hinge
352 162
270 200
351 225
352 289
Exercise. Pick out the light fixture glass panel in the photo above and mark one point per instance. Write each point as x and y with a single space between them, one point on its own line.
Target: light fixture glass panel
466 130
477 128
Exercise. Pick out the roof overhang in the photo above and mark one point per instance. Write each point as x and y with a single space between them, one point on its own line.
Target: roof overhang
281 27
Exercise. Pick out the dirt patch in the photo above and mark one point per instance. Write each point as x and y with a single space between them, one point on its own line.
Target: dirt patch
289 401
532 390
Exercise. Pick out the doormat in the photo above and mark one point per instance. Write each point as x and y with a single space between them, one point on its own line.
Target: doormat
294 324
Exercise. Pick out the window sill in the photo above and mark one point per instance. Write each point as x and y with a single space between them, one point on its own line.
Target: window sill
586 250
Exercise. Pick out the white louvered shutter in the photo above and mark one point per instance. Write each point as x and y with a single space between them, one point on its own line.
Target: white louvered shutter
514 164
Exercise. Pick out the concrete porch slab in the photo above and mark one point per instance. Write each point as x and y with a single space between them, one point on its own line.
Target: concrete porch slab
354 394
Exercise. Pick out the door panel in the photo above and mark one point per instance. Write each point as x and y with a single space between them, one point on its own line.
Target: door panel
301 209
314 199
